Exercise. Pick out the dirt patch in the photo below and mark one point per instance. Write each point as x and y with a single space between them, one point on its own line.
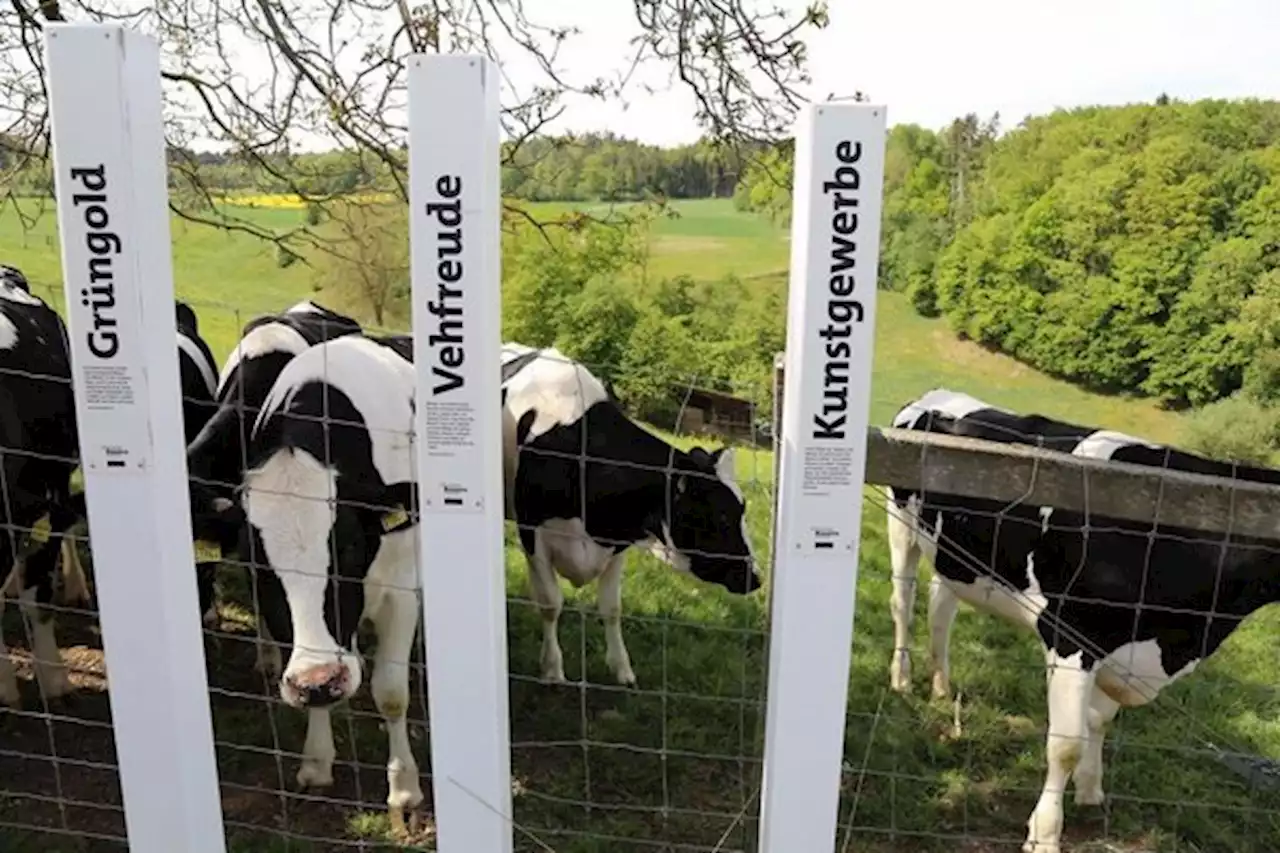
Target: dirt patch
674 243
59 782
58 768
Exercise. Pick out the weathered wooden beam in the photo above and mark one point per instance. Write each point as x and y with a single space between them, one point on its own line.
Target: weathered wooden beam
1020 473
1010 472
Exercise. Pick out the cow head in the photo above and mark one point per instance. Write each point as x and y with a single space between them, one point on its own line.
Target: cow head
705 530
186 318
13 277
311 559
314 615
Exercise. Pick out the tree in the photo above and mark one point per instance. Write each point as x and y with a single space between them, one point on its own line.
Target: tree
338 70
368 271
1126 248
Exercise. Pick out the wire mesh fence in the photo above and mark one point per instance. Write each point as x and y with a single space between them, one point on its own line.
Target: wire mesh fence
637 683
673 762
669 759
58 768
962 754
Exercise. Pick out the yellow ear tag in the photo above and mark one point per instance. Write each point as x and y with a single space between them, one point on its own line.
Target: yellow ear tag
41 529
394 518
207 552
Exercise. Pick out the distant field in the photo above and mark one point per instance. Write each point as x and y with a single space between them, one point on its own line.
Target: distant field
231 276
709 239
641 757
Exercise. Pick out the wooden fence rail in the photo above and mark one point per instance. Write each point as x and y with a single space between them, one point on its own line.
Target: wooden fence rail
1014 473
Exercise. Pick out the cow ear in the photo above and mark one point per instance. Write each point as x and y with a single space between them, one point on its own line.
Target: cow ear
681 484
186 317
700 457
400 507
724 463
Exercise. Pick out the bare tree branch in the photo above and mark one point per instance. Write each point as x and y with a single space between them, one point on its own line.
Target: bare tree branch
256 78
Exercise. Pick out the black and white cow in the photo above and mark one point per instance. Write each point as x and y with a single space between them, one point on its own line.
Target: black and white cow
329 517
40 451
40 419
197 371
327 496
1121 614
217 455
584 483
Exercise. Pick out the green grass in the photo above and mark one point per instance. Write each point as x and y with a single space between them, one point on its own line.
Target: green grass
661 764
228 277
704 238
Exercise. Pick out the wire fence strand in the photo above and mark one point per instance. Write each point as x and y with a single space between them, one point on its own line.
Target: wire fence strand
675 761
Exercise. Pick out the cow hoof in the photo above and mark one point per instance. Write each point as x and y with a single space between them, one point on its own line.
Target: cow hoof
554 677
626 677
402 830
900 674
398 805
1095 797
1040 847
314 775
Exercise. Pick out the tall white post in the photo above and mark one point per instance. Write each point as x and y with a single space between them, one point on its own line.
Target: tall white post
110 169
835 240
455 200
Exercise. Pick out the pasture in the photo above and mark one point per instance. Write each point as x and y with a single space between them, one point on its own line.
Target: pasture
673 763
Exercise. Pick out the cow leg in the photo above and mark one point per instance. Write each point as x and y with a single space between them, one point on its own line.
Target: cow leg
75 583
943 605
397 626
9 693
609 602
545 587
267 652
1070 689
1088 775
904 555
51 672
318 751
206 578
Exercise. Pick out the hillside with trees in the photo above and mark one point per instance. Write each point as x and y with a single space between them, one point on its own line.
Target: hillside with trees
583 167
1128 249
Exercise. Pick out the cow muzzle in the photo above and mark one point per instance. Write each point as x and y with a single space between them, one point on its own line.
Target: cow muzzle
318 685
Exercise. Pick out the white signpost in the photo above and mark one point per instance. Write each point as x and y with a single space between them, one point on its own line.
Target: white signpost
835 240
455 200
110 169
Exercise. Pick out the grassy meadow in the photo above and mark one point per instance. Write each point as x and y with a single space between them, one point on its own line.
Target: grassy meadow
674 763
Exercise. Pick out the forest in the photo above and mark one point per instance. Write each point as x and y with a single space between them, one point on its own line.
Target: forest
1127 249
585 167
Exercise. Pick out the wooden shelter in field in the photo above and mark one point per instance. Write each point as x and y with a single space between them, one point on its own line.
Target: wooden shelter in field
709 412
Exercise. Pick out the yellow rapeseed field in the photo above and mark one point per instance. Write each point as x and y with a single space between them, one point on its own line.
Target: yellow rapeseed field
291 201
